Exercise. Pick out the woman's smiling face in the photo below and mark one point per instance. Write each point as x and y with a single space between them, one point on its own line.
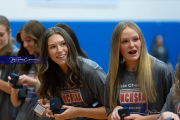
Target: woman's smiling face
57 49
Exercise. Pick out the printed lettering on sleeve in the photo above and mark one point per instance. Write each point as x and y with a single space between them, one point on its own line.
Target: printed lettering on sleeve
73 97
178 110
134 99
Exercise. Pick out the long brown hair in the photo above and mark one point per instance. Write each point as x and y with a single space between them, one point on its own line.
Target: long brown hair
34 29
73 36
6 51
116 68
176 89
50 74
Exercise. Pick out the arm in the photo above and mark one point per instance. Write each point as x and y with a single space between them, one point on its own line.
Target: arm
96 83
139 117
167 107
14 97
109 116
97 113
166 115
114 115
4 86
23 79
72 112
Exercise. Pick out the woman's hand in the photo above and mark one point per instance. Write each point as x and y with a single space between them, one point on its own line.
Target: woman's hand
166 115
47 113
70 112
45 102
24 79
9 78
114 114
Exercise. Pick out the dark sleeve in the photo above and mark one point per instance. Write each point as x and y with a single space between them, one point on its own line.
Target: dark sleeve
169 81
97 81
107 95
168 105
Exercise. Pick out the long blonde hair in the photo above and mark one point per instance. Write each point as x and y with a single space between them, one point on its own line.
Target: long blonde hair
116 68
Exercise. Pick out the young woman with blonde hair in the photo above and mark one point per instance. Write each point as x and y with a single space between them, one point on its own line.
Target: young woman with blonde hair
136 80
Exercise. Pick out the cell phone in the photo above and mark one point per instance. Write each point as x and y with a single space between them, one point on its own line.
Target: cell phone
38 108
123 112
169 119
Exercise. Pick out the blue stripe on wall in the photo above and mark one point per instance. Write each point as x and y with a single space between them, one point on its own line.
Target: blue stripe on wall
95 37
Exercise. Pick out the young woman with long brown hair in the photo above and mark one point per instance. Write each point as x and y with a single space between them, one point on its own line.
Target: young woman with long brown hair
136 80
29 37
65 74
7 110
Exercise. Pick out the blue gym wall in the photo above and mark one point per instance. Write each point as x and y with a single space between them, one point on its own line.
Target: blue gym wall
95 37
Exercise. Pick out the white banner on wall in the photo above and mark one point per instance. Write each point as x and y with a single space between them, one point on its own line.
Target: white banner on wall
73 2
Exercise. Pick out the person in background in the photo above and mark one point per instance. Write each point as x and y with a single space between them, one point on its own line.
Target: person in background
74 38
29 38
7 110
65 74
159 50
135 80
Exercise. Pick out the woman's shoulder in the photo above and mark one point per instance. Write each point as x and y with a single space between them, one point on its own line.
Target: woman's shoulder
89 67
160 65
87 63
